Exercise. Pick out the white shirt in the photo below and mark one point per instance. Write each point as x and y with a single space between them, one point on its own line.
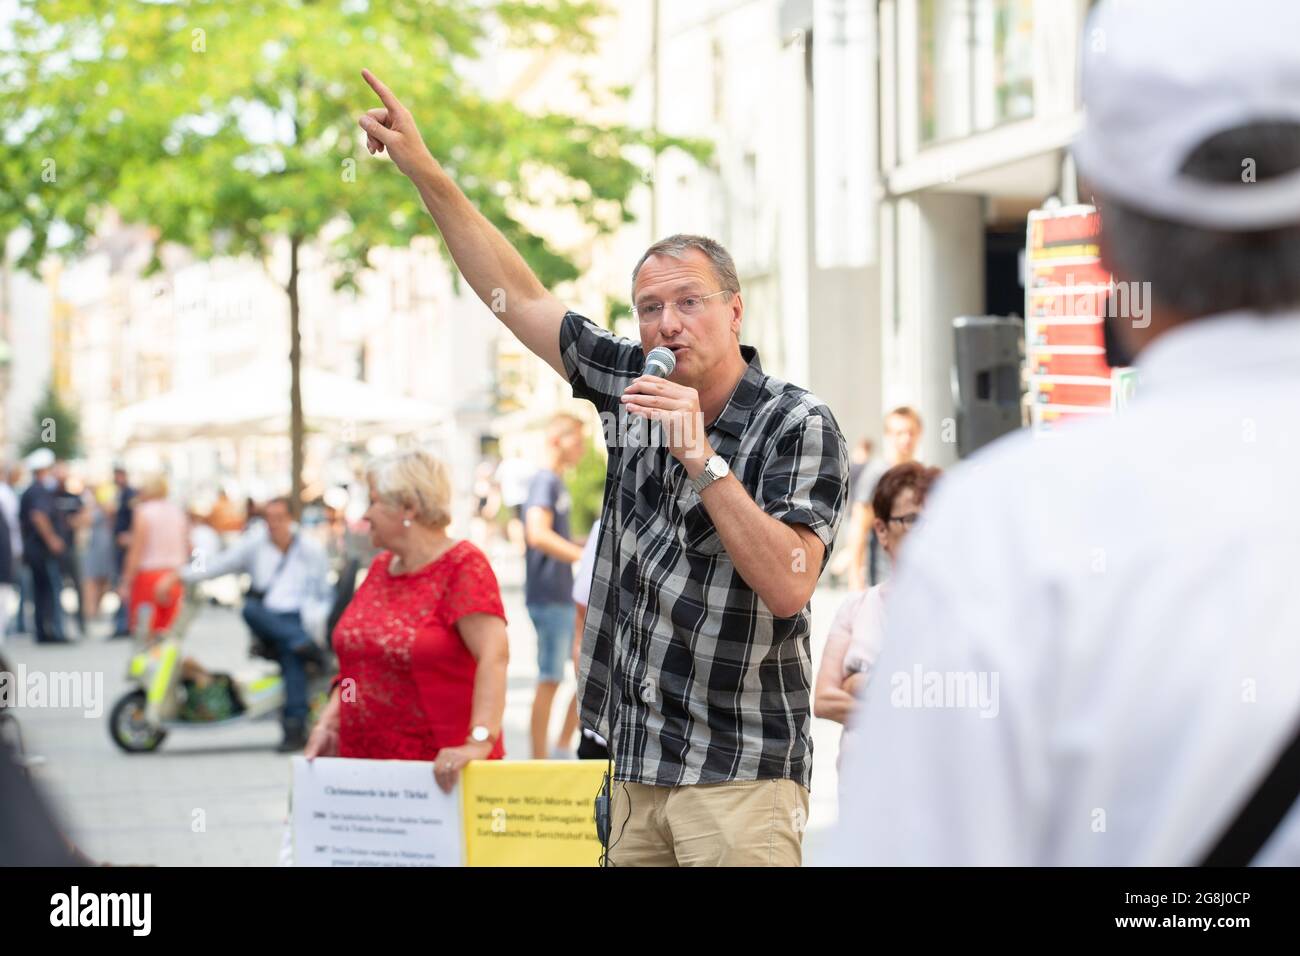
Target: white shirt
586 567
866 631
301 585
9 505
1128 594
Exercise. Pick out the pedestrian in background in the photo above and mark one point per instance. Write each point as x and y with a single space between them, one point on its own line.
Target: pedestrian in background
860 456
8 571
99 566
287 603
869 564
70 519
159 549
11 548
42 546
121 540
858 631
548 575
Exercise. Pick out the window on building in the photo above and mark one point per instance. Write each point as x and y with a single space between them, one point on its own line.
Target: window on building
977 64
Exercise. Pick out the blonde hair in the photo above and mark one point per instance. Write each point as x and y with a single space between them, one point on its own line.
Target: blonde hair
155 486
413 479
562 422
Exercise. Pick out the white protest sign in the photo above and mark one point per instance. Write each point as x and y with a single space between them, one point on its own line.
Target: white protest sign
373 813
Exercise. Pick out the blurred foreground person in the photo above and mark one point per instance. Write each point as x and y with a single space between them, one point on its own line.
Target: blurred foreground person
1075 672
422 646
29 835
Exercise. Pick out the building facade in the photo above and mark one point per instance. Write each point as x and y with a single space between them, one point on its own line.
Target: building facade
874 165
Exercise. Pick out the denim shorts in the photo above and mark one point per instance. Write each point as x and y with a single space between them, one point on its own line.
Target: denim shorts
554 624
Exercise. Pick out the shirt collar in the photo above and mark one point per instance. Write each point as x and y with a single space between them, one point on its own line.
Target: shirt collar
735 414
1230 344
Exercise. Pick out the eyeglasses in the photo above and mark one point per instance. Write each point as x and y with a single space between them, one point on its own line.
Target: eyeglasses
906 520
686 305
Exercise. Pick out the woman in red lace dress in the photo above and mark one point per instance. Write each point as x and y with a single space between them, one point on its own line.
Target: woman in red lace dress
422 646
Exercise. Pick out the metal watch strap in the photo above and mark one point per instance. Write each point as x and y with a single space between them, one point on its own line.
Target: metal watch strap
709 475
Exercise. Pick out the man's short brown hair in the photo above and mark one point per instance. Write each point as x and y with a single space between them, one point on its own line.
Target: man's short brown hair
677 246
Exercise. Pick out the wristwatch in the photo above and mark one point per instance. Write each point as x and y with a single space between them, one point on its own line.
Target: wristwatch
716 467
480 734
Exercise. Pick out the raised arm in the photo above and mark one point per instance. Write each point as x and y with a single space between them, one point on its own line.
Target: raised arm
540 533
493 268
131 560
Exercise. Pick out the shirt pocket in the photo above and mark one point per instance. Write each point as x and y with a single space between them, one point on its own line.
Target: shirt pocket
698 533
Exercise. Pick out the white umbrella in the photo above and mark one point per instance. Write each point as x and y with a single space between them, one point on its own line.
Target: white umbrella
255 401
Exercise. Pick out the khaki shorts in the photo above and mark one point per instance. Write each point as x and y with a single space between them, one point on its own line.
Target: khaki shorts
737 823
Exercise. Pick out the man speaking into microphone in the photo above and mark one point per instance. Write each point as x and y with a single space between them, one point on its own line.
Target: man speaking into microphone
695 661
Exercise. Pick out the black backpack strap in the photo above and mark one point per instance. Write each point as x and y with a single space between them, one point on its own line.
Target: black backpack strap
1262 813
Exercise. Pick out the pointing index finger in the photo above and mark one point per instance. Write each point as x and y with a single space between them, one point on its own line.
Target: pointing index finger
385 94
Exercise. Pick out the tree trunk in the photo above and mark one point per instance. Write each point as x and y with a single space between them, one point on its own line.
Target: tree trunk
296 429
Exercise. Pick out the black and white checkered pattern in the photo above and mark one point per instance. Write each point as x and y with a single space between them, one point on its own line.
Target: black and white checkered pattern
709 686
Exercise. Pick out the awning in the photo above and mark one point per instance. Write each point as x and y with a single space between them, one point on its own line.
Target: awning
255 401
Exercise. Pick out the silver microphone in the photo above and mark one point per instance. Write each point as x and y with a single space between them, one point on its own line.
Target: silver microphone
661 361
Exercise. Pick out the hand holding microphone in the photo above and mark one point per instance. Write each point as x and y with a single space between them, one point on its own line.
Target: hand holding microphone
676 407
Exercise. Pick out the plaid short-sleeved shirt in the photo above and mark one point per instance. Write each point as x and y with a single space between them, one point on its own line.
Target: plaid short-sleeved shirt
707 685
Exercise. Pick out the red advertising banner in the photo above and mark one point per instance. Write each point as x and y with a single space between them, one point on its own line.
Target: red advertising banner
1066 295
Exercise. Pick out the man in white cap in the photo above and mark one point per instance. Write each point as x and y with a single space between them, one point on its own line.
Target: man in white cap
1093 652
42 545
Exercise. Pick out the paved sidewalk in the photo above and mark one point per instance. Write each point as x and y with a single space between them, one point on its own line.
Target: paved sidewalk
217 796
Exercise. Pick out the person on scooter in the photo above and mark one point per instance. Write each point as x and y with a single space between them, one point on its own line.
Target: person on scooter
288 601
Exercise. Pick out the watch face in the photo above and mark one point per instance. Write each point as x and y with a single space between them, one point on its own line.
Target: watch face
480 734
719 466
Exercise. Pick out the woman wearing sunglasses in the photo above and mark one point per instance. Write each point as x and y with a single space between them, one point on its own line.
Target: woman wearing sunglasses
858 630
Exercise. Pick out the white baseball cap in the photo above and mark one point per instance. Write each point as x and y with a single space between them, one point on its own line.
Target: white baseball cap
40 459
1160 77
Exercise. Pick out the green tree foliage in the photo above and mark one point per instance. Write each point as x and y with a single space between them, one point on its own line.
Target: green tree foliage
230 124
54 426
586 484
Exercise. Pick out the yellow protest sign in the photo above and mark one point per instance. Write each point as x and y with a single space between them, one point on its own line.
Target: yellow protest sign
531 812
